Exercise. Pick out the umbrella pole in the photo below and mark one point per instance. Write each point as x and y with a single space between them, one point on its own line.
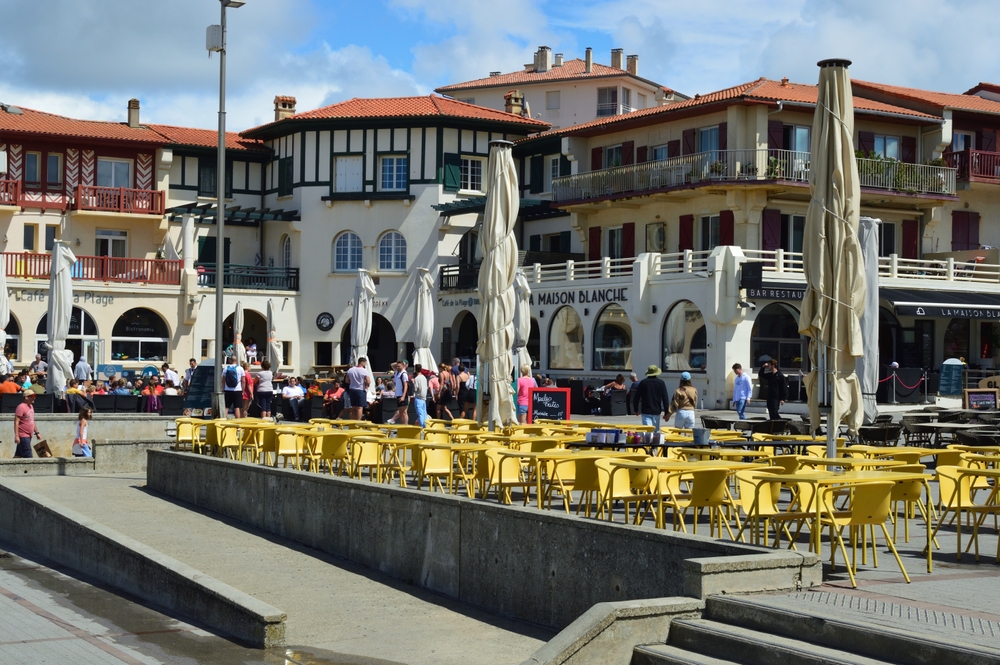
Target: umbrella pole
825 390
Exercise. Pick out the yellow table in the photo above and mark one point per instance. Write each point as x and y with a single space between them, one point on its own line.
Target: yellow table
460 451
393 446
849 462
722 453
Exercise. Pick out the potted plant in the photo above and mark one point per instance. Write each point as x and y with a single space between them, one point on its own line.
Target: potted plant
775 168
749 171
717 169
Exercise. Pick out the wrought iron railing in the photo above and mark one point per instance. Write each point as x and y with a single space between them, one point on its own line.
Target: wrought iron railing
238 276
458 278
27 265
974 164
119 199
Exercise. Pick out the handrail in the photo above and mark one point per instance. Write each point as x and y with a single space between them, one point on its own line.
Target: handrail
239 276
120 199
28 265
977 164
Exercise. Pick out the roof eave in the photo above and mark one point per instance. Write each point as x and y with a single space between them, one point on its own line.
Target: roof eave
289 125
447 89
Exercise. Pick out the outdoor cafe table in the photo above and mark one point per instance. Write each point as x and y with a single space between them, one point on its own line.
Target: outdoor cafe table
457 451
536 459
393 446
880 451
721 453
988 450
820 479
937 428
851 462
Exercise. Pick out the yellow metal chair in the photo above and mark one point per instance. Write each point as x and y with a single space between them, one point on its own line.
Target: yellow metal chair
435 463
614 485
709 488
787 463
366 453
437 436
407 431
759 501
504 473
266 445
228 440
956 496
911 493
188 433
331 448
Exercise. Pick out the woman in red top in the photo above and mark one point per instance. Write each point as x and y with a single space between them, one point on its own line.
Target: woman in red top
248 386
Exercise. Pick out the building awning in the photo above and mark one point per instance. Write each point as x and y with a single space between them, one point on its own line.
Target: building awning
530 208
948 304
236 215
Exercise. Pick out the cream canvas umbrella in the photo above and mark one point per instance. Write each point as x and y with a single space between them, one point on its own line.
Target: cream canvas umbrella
361 324
4 310
239 350
832 260
867 365
676 339
522 321
425 321
496 288
274 350
59 315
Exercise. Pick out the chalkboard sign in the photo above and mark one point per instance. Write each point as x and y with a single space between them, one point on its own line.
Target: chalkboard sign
198 401
951 377
548 403
981 399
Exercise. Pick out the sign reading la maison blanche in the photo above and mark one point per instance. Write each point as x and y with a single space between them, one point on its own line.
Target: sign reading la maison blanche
583 296
949 311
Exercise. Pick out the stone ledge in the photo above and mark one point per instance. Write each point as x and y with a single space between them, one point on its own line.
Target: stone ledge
771 571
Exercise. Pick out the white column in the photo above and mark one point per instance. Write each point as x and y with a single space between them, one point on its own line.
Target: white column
187 242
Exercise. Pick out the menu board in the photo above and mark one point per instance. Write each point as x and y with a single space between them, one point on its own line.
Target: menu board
951 378
981 399
198 401
548 403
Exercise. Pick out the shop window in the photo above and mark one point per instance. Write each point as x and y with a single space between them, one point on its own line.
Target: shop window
324 354
12 345
613 339
956 339
685 339
566 340
775 335
140 335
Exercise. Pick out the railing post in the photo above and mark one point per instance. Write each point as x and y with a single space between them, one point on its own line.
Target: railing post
121 199
688 260
779 260
605 267
536 273
950 276
570 269
894 266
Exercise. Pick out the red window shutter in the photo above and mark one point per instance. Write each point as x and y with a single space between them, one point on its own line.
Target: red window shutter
770 222
688 137
628 153
908 149
989 143
596 159
686 233
723 135
674 148
628 240
775 135
866 142
911 239
973 230
959 230
641 154
727 227
594 244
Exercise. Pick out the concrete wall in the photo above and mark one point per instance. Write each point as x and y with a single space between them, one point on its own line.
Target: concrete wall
125 456
62 535
59 430
544 567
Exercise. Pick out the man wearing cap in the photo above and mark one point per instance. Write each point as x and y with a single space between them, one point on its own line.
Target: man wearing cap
652 397
24 425
684 402
742 389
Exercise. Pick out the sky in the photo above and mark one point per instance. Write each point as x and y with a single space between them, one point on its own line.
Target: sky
86 58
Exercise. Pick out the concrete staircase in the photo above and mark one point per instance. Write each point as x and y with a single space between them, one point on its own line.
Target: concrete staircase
753 631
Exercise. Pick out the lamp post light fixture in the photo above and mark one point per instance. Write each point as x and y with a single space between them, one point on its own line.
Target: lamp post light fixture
215 40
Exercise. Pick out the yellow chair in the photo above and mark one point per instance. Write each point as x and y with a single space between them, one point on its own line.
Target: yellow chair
330 448
911 493
437 436
289 445
366 453
227 439
435 463
759 500
614 485
407 431
787 463
504 472
709 488
561 474
955 491
188 433
869 507
267 445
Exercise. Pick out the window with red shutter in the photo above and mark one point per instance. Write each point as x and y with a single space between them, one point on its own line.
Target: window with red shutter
973 242
989 141
775 135
959 230
628 240
723 135
594 243
628 153
686 233
641 154
688 138
908 149
596 159
911 239
674 148
866 142
727 227
770 227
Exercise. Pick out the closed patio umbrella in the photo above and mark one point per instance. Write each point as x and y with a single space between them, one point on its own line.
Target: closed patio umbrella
59 315
361 324
676 339
522 321
425 321
496 288
239 350
274 350
832 259
4 308
867 365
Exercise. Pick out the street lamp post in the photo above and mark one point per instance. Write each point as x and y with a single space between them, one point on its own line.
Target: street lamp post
216 41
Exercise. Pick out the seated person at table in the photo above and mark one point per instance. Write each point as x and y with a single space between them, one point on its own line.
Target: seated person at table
592 399
294 395
8 385
333 400
120 388
314 391
617 384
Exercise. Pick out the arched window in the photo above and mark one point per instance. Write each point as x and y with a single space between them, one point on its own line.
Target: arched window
685 339
346 252
566 340
286 252
13 331
392 251
613 339
956 339
775 335
81 338
140 335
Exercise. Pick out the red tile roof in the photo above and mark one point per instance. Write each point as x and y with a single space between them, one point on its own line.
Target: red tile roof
407 107
570 69
41 124
206 138
965 102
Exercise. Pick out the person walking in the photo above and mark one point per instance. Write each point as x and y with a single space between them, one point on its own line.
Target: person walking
742 389
232 384
420 391
81 446
653 397
777 391
170 375
447 392
684 402
401 383
83 370
524 385
357 388
24 425
264 388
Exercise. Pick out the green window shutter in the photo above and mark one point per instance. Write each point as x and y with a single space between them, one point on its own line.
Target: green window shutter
537 174
452 171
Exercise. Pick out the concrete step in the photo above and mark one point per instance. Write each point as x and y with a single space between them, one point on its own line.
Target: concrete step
664 654
828 628
751 647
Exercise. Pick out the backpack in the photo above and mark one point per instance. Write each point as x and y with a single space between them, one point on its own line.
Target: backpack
470 383
232 378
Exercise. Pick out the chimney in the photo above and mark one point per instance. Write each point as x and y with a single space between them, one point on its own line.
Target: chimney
283 107
530 66
513 102
618 58
633 65
133 113
543 59
784 82
494 73
589 60
559 60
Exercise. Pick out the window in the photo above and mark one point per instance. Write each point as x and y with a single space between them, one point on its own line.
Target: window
348 176
346 252
324 354
111 243
115 173
140 335
53 170
685 345
963 141
775 335
50 237
792 229
393 174
566 340
797 138
612 156
613 244
607 101
557 243
29 237
710 232
641 104
613 339
286 252
708 139
392 252
956 339
286 174
472 174
626 100
887 147
553 172
886 239
658 153
552 100
33 168
13 331
207 178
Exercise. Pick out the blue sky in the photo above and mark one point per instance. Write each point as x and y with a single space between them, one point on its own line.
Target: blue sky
86 58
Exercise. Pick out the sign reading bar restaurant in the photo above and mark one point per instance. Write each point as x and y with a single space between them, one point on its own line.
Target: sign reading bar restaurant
582 296
778 292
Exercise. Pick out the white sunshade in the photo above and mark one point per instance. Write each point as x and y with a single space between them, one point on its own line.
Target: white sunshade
239 350
59 315
522 321
425 322
361 324
274 350
867 365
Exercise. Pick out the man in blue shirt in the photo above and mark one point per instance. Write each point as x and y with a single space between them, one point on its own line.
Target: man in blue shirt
742 389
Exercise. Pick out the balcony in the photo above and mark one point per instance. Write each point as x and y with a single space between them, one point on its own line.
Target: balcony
458 278
120 200
975 165
699 169
111 269
10 192
238 276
